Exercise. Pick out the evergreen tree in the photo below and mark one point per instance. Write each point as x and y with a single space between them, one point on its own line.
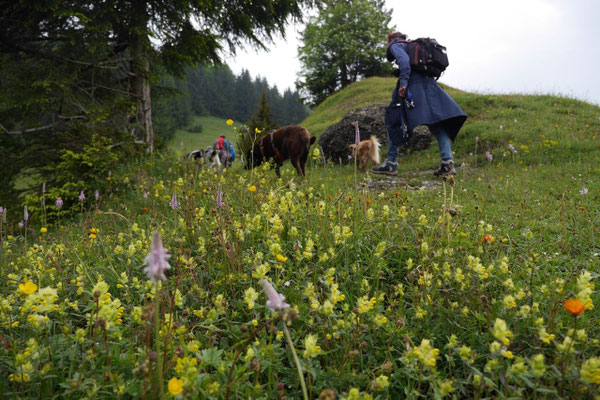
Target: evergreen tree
196 90
262 120
217 91
246 97
260 124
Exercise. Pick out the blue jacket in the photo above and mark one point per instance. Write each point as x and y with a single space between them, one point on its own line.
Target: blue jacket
432 104
228 147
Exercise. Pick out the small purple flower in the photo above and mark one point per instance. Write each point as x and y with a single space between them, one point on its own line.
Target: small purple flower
96 194
59 202
81 196
25 214
1 210
584 191
275 301
219 197
156 260
174 202
489 156
512 148
21 224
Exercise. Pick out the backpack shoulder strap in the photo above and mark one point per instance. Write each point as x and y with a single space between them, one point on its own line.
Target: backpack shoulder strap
389 55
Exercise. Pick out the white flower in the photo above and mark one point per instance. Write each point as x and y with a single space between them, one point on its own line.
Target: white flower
156 260
275 300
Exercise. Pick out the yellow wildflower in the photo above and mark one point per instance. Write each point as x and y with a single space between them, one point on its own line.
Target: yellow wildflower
426 353
380 383
310 346
250 297
537 365
364 304
545 336
28 287
590 371
175 386
501 331
446 387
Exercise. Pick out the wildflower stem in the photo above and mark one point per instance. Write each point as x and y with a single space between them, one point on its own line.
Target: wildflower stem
296 360
159 375
562 217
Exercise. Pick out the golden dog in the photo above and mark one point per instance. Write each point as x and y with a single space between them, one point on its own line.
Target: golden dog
368 150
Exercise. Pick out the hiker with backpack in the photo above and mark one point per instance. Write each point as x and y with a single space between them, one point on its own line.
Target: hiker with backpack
226 147
419 100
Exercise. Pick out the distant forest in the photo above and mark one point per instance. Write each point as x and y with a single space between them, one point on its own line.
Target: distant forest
218 92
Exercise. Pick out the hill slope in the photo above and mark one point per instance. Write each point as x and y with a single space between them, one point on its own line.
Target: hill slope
536 122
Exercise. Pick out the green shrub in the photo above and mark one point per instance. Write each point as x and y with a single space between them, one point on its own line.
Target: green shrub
195 128
85 172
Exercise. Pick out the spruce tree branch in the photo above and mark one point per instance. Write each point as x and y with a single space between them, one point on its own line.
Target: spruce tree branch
51 56
40 128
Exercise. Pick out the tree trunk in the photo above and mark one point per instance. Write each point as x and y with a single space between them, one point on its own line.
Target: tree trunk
144 104
344 76
140 67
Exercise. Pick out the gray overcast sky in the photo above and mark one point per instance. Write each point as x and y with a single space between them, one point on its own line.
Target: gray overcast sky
508 46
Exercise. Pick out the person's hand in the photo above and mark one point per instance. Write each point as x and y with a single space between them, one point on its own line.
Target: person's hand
402 91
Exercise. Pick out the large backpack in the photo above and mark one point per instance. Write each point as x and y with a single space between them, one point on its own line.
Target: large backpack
426 56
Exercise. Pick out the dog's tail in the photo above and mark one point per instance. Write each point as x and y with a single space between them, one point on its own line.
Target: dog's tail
374 151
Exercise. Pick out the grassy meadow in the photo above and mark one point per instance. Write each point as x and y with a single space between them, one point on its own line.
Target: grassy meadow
212 127
397 288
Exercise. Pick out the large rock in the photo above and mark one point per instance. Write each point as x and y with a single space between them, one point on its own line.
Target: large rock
335 139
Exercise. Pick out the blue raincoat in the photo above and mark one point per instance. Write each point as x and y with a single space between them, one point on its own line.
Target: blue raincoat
432 104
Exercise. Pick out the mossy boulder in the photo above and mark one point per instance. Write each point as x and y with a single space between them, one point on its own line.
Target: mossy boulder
336 138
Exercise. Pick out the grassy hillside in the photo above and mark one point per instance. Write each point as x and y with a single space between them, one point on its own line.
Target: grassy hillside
213 127
358 94
409 287
538 123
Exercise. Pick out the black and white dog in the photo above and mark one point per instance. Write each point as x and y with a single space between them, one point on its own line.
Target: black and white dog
212 158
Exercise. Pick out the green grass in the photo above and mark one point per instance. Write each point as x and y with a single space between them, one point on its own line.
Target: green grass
213 127
373 271
358 94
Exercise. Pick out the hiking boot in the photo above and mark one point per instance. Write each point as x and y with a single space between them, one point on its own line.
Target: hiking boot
446 168
387 168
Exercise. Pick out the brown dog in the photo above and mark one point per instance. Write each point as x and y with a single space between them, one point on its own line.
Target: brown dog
368 150
290 142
